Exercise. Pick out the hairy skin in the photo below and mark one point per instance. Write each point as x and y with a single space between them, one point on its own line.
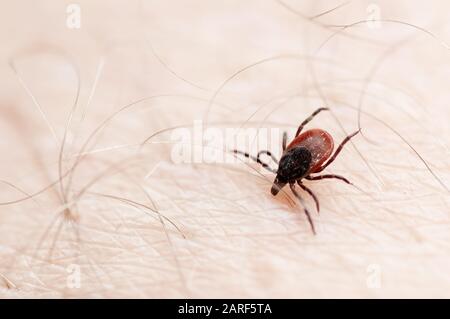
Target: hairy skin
127 221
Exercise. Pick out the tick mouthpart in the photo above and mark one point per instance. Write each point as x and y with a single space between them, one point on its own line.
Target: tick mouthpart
276 187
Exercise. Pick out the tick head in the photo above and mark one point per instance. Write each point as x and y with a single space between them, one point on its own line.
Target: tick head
277 186
294 164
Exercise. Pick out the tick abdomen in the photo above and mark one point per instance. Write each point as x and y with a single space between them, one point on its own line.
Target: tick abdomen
319 143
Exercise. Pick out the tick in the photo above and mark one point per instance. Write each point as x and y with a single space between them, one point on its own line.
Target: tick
308 154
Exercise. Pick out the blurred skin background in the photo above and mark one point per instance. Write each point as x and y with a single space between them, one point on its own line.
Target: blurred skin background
87 210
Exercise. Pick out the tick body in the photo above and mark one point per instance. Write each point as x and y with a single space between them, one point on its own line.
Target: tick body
307 154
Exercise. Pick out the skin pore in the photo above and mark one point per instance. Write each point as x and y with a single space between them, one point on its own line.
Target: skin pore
110 216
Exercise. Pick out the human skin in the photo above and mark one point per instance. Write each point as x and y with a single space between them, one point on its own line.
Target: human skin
130 221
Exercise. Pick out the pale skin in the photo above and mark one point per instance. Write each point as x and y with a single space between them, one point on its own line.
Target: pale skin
115 218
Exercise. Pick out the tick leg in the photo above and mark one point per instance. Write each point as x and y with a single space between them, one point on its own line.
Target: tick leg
284 140
308 215
267 153
257 160
339 149
310 192
316 178
300 128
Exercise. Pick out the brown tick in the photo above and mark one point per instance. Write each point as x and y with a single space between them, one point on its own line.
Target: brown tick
309 153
